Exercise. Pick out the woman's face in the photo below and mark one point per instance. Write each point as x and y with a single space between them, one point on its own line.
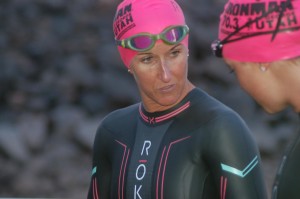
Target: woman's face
260 84
161 75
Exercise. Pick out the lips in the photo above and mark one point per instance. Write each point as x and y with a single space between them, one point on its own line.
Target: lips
167 88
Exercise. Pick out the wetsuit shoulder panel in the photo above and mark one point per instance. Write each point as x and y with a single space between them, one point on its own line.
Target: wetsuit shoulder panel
238 163
228 148
114 134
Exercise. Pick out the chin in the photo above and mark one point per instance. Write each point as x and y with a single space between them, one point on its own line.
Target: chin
296 109
273 109
168 102
270 111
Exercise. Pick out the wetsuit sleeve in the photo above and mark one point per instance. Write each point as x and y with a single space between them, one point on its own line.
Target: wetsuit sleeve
101 169
286 184
235 160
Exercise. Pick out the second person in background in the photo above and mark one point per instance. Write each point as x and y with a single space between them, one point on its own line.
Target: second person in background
260 42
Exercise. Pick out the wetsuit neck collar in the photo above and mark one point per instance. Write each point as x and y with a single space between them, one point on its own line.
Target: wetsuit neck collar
161 116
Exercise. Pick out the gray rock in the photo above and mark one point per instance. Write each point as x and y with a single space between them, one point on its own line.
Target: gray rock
85 133
33 129
12 145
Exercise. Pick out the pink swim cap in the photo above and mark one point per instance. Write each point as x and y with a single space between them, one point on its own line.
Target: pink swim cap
272 32
140 16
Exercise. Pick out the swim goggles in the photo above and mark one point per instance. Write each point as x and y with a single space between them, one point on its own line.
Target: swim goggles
145 41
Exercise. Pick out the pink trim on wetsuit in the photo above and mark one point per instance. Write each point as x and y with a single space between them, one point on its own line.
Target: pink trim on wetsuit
153 120
122 170
223 187
95 190
164 167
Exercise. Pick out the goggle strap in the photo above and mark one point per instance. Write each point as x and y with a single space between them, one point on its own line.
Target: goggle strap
123 44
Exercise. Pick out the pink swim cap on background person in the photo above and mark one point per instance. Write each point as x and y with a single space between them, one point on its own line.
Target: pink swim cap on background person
140 16
262 40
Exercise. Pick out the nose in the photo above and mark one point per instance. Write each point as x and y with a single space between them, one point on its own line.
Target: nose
165 72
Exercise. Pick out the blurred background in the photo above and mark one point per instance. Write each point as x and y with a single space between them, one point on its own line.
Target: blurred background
60 74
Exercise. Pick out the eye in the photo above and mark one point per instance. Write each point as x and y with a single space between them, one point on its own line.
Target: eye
175 52
230 68
146 59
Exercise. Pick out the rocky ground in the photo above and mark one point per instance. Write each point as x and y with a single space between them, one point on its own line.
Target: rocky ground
60 74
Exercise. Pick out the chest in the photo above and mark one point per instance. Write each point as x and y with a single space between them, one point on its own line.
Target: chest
158 165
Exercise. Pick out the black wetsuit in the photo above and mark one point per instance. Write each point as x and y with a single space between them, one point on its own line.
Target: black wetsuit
199 149
287 181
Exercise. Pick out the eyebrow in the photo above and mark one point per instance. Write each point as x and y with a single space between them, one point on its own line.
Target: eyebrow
142 53
149 53
176 46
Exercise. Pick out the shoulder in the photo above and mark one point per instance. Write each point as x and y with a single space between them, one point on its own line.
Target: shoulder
122 115
223 127
208 109
119 122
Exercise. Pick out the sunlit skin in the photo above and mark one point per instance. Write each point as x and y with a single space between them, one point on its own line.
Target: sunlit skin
274 88
161 76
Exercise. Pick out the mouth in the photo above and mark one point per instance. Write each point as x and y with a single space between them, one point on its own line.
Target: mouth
167 88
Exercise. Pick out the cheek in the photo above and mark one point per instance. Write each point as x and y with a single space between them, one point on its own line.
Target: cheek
181 70
144 81
247 81
254 86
